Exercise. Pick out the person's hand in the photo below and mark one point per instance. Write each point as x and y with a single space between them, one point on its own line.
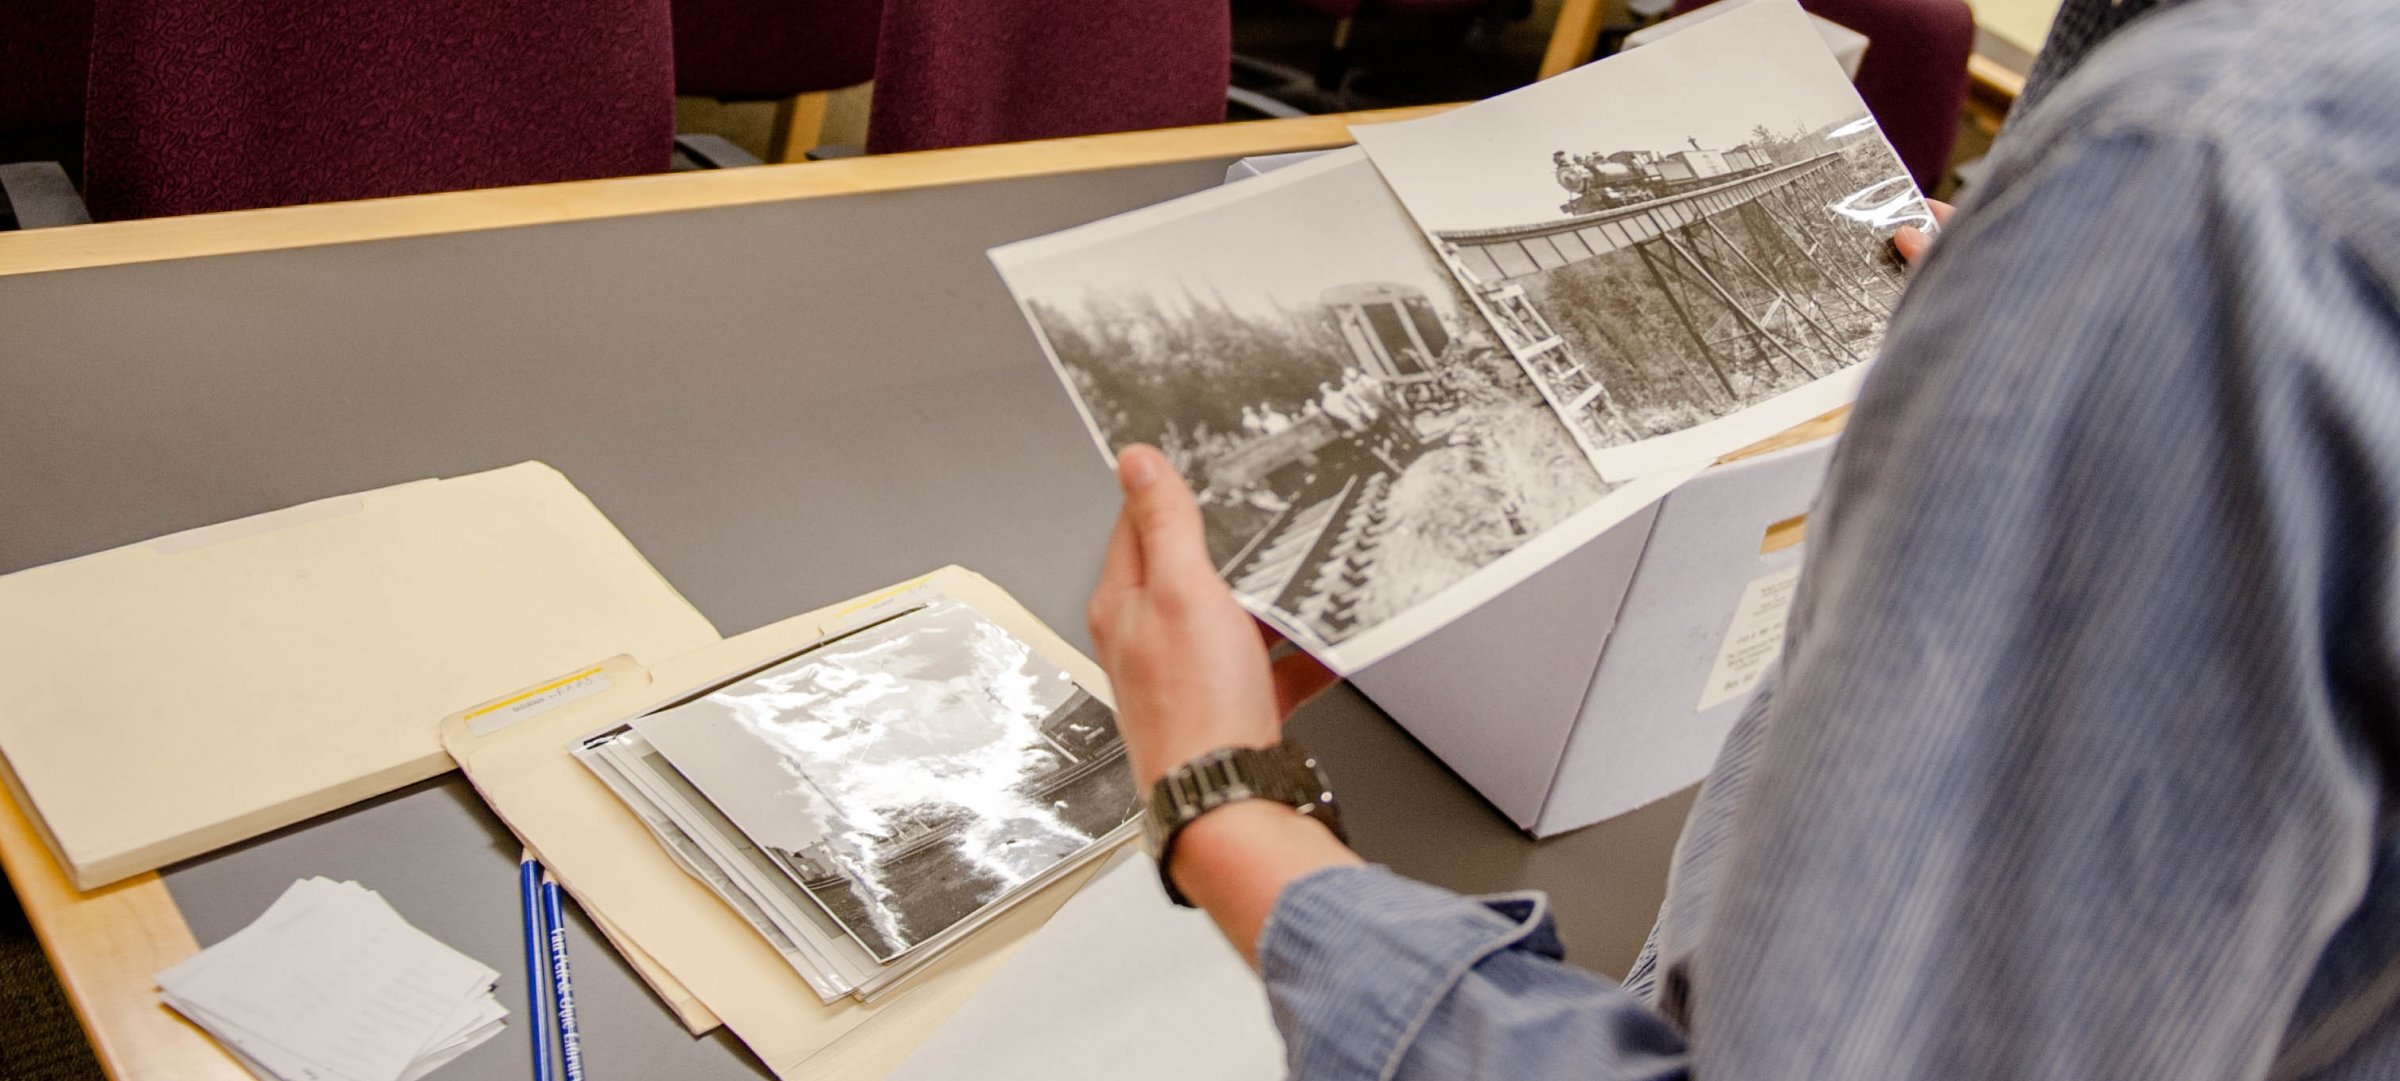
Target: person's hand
1912 241
1190 667
1192 674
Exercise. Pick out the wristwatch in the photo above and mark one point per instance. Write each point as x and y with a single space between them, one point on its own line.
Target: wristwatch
1283 773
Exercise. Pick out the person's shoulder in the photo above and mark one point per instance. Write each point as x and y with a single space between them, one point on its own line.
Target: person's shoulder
2216 67
2302 95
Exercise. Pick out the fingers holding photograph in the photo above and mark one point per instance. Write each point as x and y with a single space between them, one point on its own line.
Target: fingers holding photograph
1362 444
1683 272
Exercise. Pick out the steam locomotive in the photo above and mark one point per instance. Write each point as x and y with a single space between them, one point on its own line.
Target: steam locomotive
1597 182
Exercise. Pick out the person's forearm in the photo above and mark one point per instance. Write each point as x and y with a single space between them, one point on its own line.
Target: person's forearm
1236 860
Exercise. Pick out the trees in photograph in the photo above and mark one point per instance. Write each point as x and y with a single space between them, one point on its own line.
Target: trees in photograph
1180 379
1673 353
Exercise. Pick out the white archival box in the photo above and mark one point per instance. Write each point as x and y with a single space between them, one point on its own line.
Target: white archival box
1601 683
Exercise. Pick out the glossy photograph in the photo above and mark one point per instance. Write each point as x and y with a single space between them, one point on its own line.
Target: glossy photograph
910 774
1370 458
1684 278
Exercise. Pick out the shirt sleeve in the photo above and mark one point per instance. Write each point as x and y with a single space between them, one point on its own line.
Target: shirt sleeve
2075 764
1375 976
2078 756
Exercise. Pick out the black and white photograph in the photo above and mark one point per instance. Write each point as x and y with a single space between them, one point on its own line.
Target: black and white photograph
1370 460
908 775
1686 243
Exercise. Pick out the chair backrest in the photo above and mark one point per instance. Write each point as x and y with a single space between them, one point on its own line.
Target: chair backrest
200 105
1914 76
753 50
44 45
961 72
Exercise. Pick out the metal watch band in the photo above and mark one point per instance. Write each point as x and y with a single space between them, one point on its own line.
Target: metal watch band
1285 773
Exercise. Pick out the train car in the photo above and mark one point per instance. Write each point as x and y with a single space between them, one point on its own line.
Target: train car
1395 335
1684 166
1627 177
1391 329
1277 460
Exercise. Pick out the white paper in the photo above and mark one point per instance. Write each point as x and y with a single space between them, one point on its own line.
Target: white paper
1239 329
1118 984
331 984
1754 638
1684 243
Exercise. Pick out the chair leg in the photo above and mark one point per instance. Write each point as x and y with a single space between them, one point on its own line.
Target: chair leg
1574 36
799 124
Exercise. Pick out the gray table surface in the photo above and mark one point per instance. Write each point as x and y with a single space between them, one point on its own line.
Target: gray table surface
782 405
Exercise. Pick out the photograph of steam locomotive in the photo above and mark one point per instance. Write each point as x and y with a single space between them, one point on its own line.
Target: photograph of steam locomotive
1367 453
1691 275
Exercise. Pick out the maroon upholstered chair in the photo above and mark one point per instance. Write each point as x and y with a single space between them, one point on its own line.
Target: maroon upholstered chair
43 48
1914 76
199 105
787 51
961 72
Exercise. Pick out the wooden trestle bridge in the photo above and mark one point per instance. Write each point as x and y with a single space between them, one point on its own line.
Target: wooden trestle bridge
1734 310
1773 291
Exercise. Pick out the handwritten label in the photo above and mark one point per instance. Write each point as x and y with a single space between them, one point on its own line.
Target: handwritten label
1753 640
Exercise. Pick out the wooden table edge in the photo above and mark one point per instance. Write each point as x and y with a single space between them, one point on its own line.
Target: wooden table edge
105 945
1992 90
274 228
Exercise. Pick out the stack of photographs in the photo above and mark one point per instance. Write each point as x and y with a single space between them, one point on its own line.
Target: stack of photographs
1404 377
871 800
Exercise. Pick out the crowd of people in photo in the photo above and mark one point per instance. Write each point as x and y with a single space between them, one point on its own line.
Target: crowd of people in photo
1363 410
1366 419
1356 403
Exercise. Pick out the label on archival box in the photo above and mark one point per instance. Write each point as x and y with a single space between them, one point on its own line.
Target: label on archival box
1753 640
533 703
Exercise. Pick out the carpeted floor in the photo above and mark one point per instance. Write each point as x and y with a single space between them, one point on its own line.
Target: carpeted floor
42 1042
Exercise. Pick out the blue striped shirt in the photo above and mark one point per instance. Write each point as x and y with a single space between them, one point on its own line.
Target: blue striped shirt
2079 762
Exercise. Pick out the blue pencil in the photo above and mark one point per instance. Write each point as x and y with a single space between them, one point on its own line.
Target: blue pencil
537 1007
554 927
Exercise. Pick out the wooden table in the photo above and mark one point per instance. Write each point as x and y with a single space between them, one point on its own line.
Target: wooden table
2011 32
105 945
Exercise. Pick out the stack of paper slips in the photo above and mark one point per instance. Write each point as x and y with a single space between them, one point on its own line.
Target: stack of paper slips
330 984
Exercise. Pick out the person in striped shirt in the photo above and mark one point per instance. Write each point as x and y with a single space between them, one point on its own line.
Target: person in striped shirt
2080 759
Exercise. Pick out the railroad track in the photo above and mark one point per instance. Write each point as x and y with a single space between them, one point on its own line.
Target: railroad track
1312 560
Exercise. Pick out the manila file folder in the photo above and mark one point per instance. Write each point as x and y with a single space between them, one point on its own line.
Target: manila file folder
703 958
167 698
